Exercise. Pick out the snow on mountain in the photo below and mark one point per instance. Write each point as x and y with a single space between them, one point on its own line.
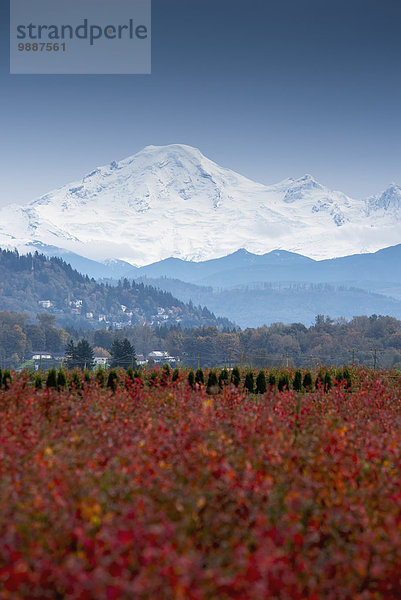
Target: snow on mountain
387 203
171 201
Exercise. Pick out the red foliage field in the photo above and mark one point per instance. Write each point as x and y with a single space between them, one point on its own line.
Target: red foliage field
168 493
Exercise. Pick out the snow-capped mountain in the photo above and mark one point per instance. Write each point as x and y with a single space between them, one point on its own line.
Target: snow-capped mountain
387 203
171 201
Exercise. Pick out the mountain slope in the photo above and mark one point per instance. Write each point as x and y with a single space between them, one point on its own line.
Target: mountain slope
171 201
254 306
33 283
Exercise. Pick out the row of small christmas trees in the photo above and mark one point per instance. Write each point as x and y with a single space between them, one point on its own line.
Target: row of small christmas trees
301 382
215 382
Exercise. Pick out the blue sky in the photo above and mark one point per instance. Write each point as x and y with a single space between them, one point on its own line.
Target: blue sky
271 89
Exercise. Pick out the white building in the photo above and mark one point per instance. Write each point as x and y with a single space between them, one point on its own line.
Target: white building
45 303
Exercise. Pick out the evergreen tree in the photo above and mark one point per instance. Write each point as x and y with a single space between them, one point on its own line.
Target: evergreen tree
112 380
130 374
61 380
70 355
191 379
297 383
319 379
283 382
153 378
199 377
271 380
212 382
38 382
51 380
76 383
235 376
347 378
167 370
100 376
87 376
249 384
80 356
307 382
165 374
123 354
261 386
138 374
339 375
328 384
175 376
84 355
223 378
7 379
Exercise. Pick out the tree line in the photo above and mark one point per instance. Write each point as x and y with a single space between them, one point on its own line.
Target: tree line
374 340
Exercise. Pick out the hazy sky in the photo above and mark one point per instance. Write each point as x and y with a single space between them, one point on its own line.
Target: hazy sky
271 89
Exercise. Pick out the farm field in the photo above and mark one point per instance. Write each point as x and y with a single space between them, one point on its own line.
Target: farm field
156 489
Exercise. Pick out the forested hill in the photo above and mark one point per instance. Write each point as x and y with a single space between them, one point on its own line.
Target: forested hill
34 283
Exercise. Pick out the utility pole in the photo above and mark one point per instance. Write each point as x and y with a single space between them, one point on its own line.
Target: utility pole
374 358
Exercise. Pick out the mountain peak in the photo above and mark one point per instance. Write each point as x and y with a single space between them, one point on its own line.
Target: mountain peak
184 148
301 187
172 201
306 180
389 200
